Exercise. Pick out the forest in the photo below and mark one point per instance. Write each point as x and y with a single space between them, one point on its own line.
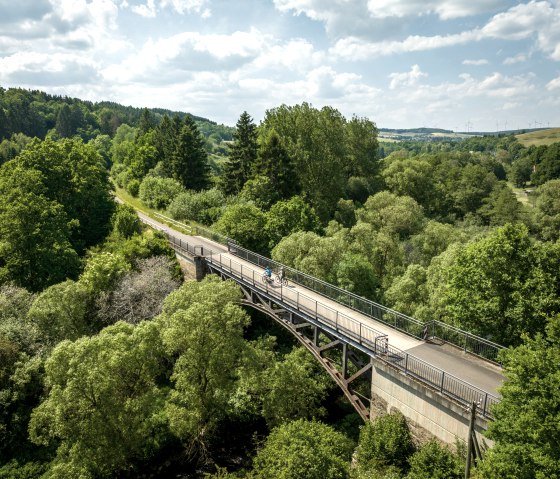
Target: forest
113 365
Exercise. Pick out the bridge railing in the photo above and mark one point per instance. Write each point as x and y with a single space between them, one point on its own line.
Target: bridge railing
373 340
411 326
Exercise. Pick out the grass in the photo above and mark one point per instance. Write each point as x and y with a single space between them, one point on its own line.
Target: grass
520 194
152 213
539 138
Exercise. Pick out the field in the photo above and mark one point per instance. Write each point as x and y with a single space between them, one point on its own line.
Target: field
541 137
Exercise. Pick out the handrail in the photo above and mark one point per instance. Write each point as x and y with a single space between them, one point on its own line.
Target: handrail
411 326
447 384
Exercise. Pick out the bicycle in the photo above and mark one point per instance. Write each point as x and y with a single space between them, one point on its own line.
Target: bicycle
266 279
281 280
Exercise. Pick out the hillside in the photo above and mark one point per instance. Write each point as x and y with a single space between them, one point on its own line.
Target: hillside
540 137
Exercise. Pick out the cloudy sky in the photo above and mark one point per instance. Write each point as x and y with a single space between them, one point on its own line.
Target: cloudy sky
456 64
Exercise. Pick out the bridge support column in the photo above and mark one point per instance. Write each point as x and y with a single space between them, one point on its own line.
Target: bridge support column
316 336
344 360
199 267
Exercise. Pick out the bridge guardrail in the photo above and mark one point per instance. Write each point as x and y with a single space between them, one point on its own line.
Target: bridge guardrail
411 326
432 329
410 365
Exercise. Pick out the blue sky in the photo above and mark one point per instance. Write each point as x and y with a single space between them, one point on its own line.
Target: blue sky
457 64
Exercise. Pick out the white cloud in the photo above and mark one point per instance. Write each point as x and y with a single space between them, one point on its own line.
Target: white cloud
148 10
520 57
534 19
406 79
185 6
553 84
353 48
446 9
480 62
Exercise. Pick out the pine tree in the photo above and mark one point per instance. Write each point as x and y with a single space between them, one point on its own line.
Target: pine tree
146 122
189 162
64 122
274 162
243 153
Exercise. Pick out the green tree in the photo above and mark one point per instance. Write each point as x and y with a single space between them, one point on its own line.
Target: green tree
259 191
202 206
146 123
411 177
60 312
434 461
104 407
158 193
408 292
362 146
242 155
35 249
355 273
526 426
244 223
274 163
504 285
203 328
547 209
64 124
306 450
189 162
384 442
286 217
125 221
549 166
501 206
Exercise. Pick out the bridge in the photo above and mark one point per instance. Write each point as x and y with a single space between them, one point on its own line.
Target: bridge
381 359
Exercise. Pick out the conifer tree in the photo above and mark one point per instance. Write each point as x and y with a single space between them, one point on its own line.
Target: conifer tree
274 162
243 154
146 123
189 163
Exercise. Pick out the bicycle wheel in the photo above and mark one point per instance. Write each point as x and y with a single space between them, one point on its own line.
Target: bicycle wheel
277 279
264 278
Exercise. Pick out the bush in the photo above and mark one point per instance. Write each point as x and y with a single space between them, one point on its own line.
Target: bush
133 186
385 442
204 206
159 192
304 450
435 461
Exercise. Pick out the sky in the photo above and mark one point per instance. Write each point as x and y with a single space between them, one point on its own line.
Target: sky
462 65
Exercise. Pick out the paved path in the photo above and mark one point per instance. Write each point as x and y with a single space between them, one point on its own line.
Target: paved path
466 367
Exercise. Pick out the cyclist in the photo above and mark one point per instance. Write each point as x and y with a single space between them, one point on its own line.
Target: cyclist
268 273
281 273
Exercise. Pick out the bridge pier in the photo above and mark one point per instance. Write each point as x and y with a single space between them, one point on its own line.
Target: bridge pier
200 268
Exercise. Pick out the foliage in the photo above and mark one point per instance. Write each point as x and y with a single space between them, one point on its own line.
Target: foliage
306 450
242 155
355 273
104 406
203 206
244 223
504 285
259 190
125 221
286 217
384 442
158 193
548 210
202 328
434 461
526 426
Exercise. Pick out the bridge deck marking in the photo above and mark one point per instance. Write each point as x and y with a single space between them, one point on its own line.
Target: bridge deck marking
451 360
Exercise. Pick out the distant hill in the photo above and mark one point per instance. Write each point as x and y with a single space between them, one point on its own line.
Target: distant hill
540 137
421 131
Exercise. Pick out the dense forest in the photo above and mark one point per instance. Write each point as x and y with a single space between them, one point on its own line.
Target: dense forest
111 365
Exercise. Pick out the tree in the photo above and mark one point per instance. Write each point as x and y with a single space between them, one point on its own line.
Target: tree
259 191
140 293
547 209
274 163
549 166
526 426
408 292
104 404
434 461
501 206
474 184
125 221
189 162
242 155
413 178
203 328
385 442
306 450
146 123
35 249
504 285
244 223
64 126
355 273
158 193
202 206
393 214
59 312
362 146
286 217
316 142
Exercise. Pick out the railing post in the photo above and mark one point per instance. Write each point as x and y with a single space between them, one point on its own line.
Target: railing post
406 364
442 380
485 405
360 323
316 305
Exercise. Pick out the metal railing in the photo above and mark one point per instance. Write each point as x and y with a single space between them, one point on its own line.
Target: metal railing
373 340
432 329
411 326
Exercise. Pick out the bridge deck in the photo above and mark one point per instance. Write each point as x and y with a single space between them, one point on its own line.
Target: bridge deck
464 366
